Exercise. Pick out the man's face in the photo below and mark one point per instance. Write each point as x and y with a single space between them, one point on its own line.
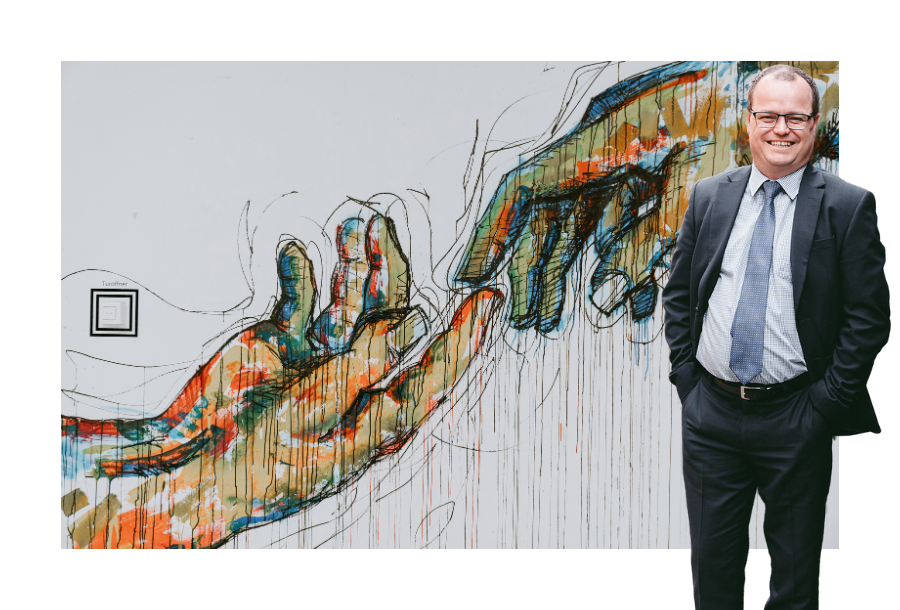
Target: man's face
779 150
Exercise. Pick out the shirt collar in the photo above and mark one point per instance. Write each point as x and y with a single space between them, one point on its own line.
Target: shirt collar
790 183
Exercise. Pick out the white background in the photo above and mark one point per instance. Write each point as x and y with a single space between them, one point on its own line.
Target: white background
859 575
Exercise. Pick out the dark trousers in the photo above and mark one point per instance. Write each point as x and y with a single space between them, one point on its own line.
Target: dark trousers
731 449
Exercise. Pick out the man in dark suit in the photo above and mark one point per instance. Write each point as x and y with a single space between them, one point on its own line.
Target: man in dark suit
775 309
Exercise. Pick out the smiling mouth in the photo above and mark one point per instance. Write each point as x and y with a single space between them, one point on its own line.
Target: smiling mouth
781 144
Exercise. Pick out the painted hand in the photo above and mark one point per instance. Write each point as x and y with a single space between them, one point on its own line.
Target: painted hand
287 412
620 181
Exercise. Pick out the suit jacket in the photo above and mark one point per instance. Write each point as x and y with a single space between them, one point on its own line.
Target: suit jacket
840 291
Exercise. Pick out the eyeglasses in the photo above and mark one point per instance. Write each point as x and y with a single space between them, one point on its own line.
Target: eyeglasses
770 119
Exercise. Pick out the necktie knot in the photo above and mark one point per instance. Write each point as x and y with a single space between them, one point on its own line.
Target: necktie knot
771 187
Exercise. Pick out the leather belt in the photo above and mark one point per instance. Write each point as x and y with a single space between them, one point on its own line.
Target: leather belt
760 391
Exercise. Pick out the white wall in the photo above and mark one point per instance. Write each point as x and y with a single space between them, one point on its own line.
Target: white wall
159 161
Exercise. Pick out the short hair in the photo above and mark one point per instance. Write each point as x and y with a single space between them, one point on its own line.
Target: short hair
788 73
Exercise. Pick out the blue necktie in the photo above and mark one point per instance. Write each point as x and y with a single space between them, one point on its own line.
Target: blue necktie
748 328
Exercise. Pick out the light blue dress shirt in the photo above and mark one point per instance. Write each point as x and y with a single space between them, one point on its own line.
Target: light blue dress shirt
782 354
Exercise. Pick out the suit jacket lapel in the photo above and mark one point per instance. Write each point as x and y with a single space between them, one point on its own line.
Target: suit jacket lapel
806 214
723 211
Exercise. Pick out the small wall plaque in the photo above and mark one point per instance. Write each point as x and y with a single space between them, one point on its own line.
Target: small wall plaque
114 312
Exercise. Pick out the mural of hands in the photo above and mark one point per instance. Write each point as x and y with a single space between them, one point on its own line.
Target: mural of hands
295 408
288 411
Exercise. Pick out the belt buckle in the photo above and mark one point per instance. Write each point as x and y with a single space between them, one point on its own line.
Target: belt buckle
747 392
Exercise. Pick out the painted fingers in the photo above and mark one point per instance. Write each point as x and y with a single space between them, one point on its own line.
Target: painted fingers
294 309
372 274
363 332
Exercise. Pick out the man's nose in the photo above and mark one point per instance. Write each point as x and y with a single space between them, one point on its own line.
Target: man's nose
781 125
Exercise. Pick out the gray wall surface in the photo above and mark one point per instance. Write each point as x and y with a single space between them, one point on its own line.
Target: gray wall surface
180 179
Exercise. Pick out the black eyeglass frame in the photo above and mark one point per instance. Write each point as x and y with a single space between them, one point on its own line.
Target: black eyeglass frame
777 116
